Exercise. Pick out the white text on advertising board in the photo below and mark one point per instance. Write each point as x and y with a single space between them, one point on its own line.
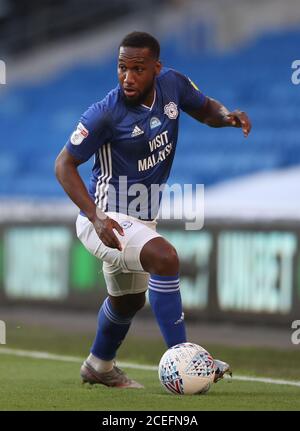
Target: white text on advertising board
255 271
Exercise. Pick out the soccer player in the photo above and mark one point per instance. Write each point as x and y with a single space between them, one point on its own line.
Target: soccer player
132 134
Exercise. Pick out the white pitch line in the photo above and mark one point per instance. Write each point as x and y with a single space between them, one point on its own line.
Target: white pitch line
265 380
53 357
39 355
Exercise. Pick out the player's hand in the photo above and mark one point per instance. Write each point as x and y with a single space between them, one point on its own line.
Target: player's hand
239 119
104 229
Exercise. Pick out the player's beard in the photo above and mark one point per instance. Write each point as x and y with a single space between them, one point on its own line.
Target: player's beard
140 98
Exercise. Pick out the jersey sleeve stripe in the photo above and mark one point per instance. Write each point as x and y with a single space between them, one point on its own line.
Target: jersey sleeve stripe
106 175
100 177
105 194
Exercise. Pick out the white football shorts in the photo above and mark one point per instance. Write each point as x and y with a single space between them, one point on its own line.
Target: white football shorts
122 270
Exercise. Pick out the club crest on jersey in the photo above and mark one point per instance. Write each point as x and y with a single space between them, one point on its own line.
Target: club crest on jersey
136 132
79 134
154 122
171 110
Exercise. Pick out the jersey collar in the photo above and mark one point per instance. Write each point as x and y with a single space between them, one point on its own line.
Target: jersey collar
154 100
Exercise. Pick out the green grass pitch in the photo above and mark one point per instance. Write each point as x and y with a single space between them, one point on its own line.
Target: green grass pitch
35 384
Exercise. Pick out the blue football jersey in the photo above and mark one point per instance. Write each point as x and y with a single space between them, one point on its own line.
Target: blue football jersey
133 146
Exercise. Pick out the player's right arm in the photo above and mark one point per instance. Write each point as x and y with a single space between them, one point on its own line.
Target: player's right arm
68 176
82 144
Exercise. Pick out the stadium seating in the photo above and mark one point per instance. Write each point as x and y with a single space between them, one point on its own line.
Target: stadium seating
35 121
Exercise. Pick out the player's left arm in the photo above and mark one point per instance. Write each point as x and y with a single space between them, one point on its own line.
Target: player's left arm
206 109
214 114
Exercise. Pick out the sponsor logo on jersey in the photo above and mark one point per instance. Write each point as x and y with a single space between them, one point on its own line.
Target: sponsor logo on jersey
171 110
154 122
160 142
79 134
136 132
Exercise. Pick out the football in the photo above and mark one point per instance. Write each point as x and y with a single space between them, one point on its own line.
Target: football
186 369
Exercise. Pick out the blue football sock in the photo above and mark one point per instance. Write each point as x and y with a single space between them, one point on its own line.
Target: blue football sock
165 300
111 331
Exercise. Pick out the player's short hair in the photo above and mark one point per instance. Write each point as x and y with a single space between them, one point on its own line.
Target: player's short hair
139 39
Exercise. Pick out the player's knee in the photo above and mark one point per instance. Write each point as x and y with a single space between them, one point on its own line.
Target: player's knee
128 305
138 302
159 257
166 262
